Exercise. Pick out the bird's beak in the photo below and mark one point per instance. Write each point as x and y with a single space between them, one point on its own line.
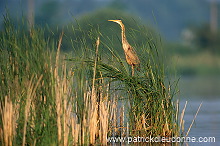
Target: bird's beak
117 21
113 20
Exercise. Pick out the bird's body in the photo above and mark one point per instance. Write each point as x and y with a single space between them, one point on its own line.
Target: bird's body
130 54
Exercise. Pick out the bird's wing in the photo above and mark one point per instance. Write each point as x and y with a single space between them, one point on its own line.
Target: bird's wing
131 56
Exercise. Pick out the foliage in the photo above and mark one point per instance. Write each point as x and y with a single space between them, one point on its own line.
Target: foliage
48 14
90 25
57 99
25 58
170 17
205 39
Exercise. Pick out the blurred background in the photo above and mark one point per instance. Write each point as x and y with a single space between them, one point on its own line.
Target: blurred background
189 31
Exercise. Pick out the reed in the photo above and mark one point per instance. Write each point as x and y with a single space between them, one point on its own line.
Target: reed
80 98
8 128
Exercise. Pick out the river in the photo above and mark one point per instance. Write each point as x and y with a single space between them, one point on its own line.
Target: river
207 123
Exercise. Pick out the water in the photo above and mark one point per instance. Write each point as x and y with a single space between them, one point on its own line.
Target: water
205 90
207 123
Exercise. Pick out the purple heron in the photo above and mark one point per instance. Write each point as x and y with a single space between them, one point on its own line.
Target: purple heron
130 54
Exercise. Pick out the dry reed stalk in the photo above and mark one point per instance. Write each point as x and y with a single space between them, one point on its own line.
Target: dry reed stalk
58 55
59 113
32 122
166 130
144 122
83 130
193 119
62 108
182 118
104 113
93 116
58 92
31 93
66 127
67 109
177 110
113 115
138 124
93 122
122 119
75 130
84 124
7 114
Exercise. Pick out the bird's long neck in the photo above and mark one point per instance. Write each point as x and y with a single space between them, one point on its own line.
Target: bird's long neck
123 37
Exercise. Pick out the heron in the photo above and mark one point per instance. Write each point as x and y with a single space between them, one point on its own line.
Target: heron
130 54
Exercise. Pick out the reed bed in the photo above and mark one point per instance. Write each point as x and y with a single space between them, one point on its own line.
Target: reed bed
48 98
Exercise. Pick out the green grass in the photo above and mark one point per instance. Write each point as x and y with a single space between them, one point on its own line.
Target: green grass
191 60
203 64
50 98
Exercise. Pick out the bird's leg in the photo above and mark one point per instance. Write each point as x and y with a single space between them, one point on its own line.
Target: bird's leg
132 68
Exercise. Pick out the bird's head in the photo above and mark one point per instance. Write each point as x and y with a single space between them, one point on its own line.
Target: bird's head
117 21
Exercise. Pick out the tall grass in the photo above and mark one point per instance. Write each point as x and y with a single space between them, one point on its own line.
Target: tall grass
53 99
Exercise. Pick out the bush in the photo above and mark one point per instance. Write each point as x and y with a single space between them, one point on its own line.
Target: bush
205 39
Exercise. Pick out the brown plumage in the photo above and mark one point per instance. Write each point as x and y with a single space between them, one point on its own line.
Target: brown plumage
130 54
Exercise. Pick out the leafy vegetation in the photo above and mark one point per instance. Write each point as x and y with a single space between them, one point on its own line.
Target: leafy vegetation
49 98
91 25
170 17
198 55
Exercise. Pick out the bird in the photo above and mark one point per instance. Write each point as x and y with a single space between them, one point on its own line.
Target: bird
130 54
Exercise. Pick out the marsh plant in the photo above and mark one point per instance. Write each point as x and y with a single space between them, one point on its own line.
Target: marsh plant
83 97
